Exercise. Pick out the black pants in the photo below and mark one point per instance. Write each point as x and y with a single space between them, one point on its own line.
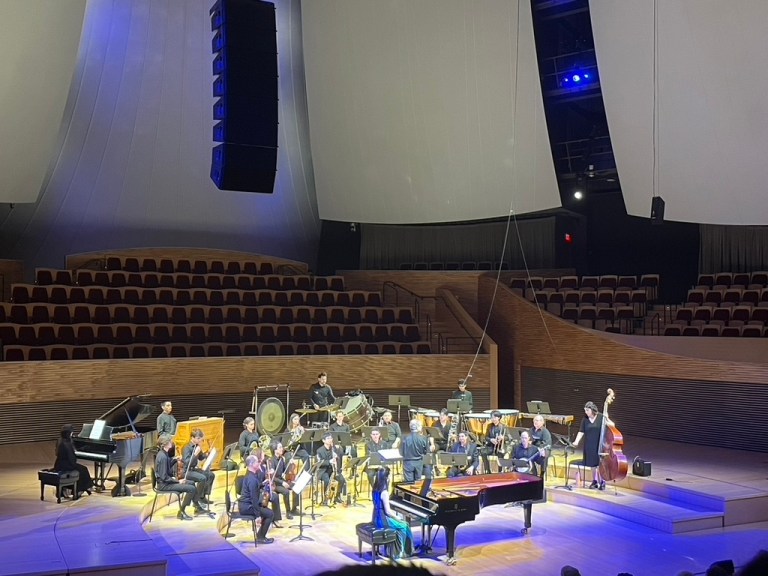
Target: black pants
286 494
488 451
325 480
265 514
203 479
414 469
187 488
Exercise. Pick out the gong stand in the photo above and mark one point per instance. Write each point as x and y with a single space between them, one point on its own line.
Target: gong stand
266 389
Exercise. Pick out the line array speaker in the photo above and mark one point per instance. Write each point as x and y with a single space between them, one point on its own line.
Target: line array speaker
245 88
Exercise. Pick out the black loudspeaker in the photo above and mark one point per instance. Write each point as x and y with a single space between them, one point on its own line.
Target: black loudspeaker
245 88
640 467
657 210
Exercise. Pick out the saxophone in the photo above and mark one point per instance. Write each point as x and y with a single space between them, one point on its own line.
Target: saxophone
333 486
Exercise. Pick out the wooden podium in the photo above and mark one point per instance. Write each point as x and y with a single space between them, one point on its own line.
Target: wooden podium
213 428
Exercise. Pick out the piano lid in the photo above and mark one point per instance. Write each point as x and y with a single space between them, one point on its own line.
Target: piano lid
127 413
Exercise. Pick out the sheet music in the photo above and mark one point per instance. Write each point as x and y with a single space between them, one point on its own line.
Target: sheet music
211 457
97 430
390 454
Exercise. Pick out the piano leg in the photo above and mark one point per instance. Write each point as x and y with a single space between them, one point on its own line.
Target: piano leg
450 542
527 508
98 475
120 489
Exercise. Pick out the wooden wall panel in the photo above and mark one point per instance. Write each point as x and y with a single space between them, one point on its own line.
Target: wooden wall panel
529 339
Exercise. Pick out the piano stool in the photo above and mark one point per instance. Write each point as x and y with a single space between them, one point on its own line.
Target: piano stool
59 480
368 532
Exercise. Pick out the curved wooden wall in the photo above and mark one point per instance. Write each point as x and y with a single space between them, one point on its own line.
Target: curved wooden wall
661 395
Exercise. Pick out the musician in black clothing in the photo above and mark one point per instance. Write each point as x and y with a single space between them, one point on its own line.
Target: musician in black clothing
191 457
444 425
251 497
541 438
329 466
464 446
414 448
494 443
372 447
526 451
166 472
339 425
279 464
462 393
321 396
247 437
66 461
166 422
394 435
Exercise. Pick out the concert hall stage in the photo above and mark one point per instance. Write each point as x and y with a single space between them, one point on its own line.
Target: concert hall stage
699 505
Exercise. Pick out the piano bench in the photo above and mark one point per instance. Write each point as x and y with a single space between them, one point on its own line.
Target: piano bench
375 537
60 480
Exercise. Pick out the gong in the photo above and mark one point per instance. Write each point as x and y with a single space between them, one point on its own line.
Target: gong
270 417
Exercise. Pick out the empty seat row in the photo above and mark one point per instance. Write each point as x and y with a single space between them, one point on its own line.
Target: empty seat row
607 282
729 296
56 294
726 315
468 265
758 279
716 329
16 353
120 313
602 297
120 279
168 265
86 334
600 318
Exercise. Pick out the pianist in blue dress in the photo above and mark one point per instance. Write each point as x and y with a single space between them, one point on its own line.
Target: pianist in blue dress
66 461
384 517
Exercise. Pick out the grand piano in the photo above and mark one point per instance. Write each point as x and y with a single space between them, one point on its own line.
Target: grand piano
449 502
113 439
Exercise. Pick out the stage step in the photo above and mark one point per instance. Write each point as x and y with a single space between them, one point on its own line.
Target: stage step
641 508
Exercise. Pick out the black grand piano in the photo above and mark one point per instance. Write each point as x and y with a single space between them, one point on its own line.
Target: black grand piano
449 502
113 439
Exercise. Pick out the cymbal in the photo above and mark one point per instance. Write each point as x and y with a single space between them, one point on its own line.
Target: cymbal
306 411
379 410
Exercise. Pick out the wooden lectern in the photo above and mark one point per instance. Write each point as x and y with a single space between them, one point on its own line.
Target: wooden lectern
213 428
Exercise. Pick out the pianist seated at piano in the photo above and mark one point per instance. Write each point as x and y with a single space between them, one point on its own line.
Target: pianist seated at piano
166 422
528 457
385 517
192 457
248 437
464 446
66 461
167 472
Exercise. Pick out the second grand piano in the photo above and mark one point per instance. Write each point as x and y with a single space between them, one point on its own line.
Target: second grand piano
449 502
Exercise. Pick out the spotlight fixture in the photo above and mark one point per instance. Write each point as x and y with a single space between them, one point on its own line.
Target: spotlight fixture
578 194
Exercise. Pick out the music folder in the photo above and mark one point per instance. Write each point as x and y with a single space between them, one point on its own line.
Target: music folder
390 454
301 482
452 459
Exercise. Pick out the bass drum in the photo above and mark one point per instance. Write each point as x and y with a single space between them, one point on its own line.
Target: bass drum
357 412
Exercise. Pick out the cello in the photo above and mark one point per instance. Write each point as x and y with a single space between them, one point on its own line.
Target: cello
613 463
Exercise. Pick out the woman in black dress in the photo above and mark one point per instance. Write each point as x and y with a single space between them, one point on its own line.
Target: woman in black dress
66 461
591 426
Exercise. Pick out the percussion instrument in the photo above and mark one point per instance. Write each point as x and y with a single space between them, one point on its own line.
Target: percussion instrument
306 411
428 418
357 412
508 416
477 423
270 417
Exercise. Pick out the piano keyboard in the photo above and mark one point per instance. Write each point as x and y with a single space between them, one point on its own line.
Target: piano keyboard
92 456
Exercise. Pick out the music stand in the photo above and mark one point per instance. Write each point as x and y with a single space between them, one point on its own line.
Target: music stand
458 406
565 441
353 463
452 459
399 400
508 463
538 407
298 487
342 439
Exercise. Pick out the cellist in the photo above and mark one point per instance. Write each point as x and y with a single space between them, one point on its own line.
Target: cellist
591 428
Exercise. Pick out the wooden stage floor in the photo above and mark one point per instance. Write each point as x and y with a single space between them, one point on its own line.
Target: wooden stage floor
700 505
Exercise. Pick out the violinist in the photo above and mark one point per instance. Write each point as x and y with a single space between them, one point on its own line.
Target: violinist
166 473
494 443
329 460
591 426
542 439
296 430
279 466
191 457
251 499
464 446
248 437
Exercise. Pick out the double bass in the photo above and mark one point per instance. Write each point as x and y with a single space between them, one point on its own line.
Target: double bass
613 462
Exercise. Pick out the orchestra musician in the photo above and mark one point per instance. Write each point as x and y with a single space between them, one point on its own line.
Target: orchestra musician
525 450
444 425
464 446
279 465
395 436
494 440
541 438
329 460
296 430
66 461
166 473
166 422
372 446
414 447
247 437
338 425
591 427
462 393
251 499
191 456
321 396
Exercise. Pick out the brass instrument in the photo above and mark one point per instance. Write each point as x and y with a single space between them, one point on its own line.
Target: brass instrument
453 432
500 439
296 435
